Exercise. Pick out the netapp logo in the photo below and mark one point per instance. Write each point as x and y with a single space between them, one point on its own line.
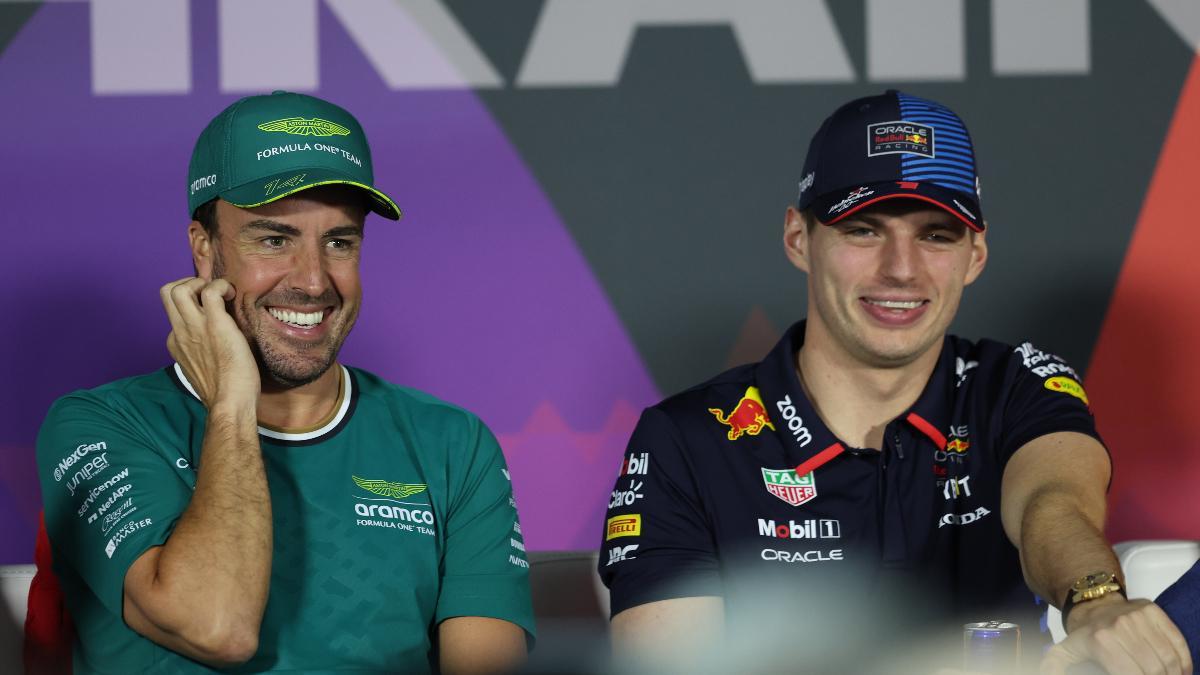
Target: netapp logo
96 491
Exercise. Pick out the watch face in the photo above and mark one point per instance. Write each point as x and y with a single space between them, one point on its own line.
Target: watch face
1093 580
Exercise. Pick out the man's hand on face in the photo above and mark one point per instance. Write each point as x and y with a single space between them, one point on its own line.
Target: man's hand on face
207 342
1122 636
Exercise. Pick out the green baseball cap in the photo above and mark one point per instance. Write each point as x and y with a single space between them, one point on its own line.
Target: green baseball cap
264 148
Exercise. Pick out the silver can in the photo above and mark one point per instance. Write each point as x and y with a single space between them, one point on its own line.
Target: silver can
992 647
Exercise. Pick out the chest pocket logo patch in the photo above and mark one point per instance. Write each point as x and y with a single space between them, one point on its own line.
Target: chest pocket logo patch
396 515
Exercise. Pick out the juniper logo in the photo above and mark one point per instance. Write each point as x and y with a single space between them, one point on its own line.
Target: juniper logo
384 488
300 126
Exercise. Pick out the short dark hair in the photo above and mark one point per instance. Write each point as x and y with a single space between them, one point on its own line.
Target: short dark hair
809 218
206 215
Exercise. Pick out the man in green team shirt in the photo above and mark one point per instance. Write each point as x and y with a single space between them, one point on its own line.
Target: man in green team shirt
257 505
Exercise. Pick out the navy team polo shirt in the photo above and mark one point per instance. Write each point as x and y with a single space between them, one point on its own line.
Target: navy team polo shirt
739 475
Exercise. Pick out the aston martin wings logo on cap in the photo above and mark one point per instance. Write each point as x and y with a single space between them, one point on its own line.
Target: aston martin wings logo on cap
388 489
300 126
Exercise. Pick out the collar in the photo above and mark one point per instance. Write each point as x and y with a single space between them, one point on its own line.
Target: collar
930 415
803 432
344 409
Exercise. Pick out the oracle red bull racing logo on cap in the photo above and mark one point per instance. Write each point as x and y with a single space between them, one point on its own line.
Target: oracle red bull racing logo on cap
790 487
889 138
749 416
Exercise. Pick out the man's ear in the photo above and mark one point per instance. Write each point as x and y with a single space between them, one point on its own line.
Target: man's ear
795 238
202 250
979 255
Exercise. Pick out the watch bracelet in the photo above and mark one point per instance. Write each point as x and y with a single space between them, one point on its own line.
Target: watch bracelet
1070 603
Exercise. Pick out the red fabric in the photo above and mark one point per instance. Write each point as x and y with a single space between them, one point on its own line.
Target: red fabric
928 429
48 629
1142 379
813 463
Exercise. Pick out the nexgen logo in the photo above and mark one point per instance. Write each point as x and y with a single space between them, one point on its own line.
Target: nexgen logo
67 462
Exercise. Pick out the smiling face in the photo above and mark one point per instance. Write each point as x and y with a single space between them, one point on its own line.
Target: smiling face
294 266
884 283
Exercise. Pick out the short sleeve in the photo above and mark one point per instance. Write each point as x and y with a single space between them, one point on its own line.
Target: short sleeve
1044 397
108 496
485 569
657 542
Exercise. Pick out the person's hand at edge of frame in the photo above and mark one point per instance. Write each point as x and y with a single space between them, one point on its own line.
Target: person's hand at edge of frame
1121 636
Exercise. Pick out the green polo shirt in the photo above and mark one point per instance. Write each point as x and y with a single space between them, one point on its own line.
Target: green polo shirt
393 516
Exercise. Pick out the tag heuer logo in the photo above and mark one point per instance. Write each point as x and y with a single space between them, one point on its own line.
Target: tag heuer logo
793 489
299 126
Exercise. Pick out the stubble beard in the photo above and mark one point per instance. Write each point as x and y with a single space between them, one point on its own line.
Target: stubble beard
305 362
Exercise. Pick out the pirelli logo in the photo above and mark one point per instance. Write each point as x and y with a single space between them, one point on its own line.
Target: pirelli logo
624 526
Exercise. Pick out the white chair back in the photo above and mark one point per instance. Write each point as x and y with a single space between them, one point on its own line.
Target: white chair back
14 597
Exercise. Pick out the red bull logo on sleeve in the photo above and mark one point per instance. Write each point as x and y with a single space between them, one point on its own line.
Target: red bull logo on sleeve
749 416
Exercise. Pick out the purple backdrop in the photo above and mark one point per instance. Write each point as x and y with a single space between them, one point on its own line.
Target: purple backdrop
479 296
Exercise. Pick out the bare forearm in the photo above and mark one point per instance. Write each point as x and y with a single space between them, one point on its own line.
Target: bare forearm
476 645
1061 540
211 578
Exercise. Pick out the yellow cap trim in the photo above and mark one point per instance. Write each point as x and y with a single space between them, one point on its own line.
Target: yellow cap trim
386 200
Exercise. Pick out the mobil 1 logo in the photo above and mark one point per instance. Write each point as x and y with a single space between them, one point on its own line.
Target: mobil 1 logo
636 464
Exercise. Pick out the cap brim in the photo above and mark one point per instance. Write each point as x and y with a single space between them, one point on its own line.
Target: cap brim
273 188
958 204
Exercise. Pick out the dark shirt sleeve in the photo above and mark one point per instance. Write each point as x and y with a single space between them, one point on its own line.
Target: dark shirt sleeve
657 542
1045 396
1181 602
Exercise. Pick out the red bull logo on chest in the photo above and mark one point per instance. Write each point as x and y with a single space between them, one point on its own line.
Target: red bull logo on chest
749 416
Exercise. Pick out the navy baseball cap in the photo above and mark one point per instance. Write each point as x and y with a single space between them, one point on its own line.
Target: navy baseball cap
891 146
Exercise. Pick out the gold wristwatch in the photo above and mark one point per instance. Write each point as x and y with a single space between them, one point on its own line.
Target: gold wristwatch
1090 587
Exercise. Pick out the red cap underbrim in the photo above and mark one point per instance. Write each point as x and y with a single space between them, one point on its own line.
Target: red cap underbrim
951 202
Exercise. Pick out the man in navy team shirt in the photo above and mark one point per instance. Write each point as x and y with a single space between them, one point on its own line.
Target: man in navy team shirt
869 452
